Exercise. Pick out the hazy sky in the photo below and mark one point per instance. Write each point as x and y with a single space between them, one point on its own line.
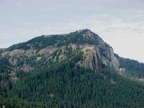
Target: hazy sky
119 22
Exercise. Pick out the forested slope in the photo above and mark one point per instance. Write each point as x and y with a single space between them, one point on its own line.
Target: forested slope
75 70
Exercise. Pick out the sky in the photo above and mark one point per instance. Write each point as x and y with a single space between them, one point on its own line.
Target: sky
120 23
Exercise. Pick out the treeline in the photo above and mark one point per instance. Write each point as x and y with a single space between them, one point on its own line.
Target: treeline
54 40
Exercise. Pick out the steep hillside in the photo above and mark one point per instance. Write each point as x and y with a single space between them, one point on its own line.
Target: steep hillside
70 70
44 49
131 68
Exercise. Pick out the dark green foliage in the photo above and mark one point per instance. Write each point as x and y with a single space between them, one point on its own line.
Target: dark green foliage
36 43
58 40
77 38
133 67
1 50
20 74
14 102
66 85
5 83
4 62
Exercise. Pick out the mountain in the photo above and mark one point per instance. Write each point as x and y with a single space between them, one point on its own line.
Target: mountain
70 70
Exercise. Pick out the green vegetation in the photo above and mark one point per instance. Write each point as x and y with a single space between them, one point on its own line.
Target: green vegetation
62 83
66 85
14 102
133 67
58 40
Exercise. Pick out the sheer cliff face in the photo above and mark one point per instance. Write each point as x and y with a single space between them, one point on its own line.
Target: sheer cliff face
95 57
109 59
98 54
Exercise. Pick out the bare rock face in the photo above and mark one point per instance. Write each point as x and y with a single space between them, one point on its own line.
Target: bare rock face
97 55
90 58
47 50
109 59
94 58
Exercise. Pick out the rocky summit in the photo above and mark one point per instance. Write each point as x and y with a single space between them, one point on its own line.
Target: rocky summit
70 70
